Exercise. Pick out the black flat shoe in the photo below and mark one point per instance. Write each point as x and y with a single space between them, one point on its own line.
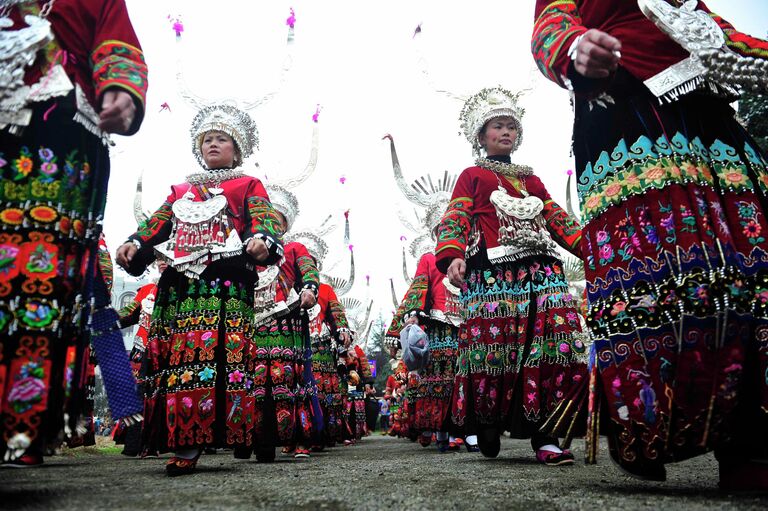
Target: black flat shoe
265 454
242 453
489 442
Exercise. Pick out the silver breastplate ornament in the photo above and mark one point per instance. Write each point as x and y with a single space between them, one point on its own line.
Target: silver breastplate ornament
201 234
522 230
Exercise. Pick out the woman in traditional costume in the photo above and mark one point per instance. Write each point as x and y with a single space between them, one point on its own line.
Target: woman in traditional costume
673 197
497 241
211 230
329 330
138 312
85 77
356 376
284 390
433 306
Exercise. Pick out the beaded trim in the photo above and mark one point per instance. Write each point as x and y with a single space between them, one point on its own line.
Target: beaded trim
214 176
505 169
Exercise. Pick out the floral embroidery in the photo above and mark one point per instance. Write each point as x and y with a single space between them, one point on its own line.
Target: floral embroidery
628 239
668 223
23 164
604 250
749 220
28 387
8 268
206 374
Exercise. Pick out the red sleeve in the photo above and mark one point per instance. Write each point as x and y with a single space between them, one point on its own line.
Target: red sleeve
116 57
158 228
557 25
453 231
307 267
130 314
263 222
563 228
336 315
741 43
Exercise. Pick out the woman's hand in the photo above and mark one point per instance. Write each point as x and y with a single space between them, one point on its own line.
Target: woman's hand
597 54
345 338
456 272
257 249
307 299
117 112
125 254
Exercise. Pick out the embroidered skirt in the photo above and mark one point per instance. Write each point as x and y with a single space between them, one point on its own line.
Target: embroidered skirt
518 346
277 351
326 375
52 197
202 372
430 399
673 203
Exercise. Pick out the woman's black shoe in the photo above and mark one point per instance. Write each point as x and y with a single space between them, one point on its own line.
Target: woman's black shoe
489 442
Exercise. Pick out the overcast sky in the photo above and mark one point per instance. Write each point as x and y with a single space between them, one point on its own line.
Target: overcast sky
362 64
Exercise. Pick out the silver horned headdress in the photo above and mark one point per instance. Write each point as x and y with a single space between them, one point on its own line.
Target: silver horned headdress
227 119
488 104
431 195
285 202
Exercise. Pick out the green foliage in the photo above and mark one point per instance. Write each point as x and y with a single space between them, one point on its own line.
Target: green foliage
753 110
378 352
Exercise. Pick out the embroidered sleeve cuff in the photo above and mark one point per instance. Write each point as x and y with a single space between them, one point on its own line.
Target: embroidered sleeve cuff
445 256
118 64
274 246
310 286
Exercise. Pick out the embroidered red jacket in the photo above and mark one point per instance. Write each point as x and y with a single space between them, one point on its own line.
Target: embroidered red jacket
297 270
646 50
426 294
248 207
102 50
331 312
471 211
133 312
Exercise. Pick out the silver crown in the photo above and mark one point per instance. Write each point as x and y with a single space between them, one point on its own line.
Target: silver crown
488 104
227 119
285 202
314 244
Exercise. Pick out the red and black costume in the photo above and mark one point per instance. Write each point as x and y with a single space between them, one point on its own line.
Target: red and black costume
54 183
429 400
283 407
327 321
673 198
518 345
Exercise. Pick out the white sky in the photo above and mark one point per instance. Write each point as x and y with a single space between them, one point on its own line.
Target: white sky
359 61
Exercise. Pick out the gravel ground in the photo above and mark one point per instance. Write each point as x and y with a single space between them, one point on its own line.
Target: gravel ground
378 473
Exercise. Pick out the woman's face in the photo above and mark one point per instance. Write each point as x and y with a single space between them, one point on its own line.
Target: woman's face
499 136
283 220
218 150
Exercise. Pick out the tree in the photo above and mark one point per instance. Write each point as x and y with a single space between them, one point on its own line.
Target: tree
753 110
379 353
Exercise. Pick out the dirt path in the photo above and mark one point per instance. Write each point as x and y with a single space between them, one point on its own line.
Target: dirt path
379 473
